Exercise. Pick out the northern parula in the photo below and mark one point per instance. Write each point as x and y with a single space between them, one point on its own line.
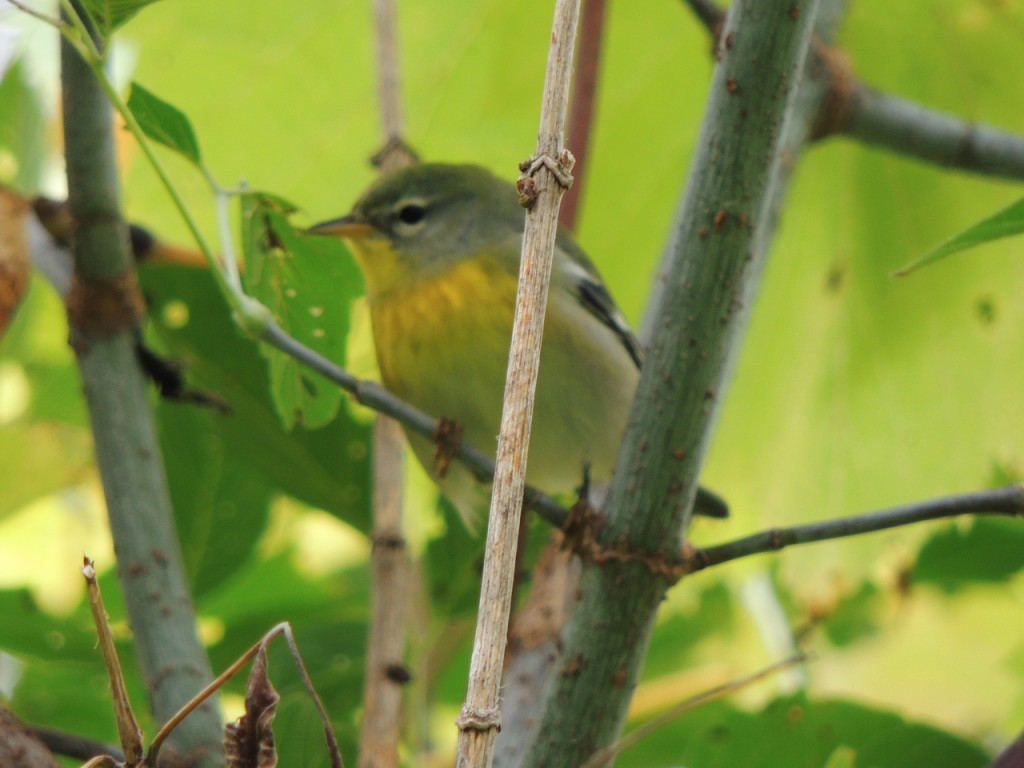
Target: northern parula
439 246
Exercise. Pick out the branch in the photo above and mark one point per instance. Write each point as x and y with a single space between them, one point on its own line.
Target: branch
584 96
103 307
386 672
74 745
1008 500
858 111
709 281
917 131
711 15
373 395
544 180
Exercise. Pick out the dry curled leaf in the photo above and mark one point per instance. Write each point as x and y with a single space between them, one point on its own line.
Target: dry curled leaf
249 741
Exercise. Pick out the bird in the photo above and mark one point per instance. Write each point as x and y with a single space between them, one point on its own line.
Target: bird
439 248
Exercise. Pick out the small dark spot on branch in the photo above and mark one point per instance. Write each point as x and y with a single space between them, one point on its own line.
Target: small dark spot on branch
397 673
572 669
620 678
732 85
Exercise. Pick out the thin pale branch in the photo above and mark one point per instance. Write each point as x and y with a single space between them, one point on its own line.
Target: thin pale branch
1008 500
389 561
545 177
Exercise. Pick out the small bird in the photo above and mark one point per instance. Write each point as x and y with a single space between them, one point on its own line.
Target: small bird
439 246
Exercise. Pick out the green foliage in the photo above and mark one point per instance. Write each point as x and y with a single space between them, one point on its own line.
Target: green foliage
164 123
1006 223
108 15
22 131
987 551
853 390
798 733
309 284
326 468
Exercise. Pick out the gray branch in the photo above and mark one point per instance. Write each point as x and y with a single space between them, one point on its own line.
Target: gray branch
936 137
1008 500
149 563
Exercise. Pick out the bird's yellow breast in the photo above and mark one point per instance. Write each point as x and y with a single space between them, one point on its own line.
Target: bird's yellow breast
442 341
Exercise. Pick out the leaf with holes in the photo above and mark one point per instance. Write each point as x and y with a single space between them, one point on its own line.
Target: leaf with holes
309 284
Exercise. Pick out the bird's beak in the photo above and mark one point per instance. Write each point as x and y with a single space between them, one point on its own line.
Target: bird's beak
346 226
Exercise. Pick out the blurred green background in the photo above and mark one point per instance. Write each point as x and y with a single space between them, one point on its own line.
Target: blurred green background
854 390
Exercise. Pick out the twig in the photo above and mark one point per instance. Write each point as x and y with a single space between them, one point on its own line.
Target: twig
917 131
73 745
373 395
283 629
389 562
710 13
541 186
605 755
389 84
1011 757
1008 500
128 730
584 98
385 644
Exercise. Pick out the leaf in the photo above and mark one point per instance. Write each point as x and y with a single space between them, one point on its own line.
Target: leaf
326 468
309 284
856 617
1007 222
111 14
23 131
800 733
990 551
249 740
221 501
164 123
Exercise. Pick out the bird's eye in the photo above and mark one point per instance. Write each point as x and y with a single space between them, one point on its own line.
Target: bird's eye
412 213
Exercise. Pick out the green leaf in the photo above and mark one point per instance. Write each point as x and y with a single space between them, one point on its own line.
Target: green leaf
309 284
326 468
22 131
856 617
990 551
798 733
1006 223
111 14
221 502
164 123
